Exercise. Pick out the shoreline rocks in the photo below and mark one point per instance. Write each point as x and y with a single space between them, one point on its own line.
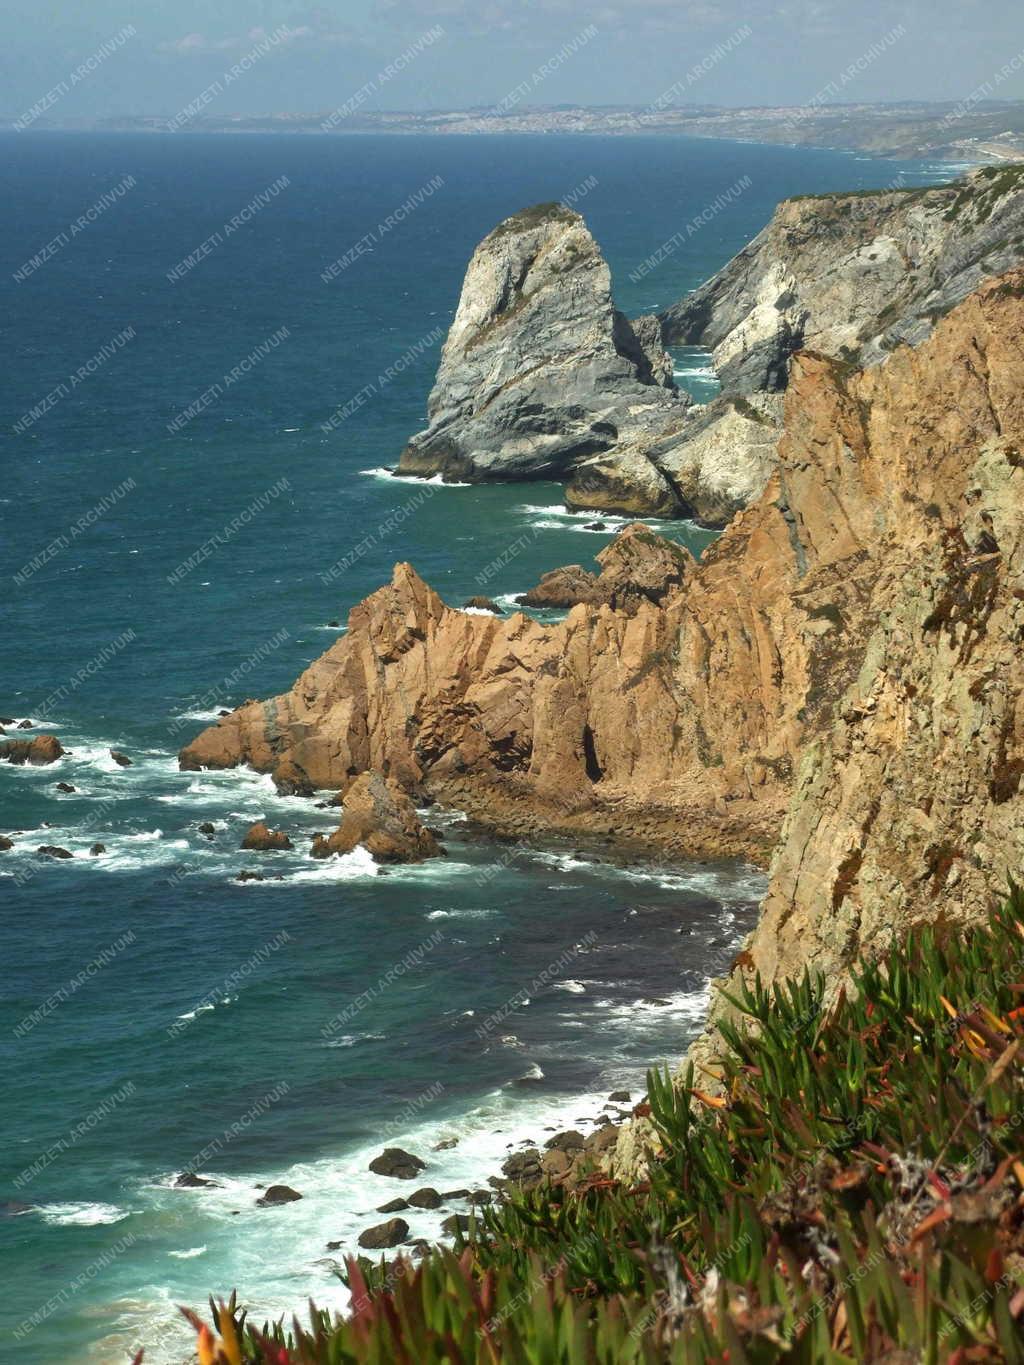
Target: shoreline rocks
259 838
397 1164
380 817
43 749
384 1235
277 1194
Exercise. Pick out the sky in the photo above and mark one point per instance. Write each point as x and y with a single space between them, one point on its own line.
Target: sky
157 56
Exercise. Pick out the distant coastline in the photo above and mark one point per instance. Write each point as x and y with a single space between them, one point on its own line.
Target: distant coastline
982 132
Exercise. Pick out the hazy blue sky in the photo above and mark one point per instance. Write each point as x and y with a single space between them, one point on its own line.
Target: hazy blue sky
642 48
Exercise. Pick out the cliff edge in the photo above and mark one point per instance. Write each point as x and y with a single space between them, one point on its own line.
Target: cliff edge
847 649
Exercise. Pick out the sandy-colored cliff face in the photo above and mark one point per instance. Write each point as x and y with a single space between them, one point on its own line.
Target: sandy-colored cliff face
853 639
909 807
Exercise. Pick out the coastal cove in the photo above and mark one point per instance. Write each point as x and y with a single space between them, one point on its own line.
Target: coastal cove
223 549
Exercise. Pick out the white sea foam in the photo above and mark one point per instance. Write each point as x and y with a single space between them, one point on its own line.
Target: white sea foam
280 1255
81 1215
439 481
188 1255
358 863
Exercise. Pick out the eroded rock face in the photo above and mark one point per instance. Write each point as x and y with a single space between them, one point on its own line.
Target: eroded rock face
860 624
379 816
637 566
907 807
539 369
852 275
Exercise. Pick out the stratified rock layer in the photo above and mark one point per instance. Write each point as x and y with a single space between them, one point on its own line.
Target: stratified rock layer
852 275
539 369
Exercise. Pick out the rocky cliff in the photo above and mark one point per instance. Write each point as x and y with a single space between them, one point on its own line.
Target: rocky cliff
852 275
542 378
848 648
848 275
539 368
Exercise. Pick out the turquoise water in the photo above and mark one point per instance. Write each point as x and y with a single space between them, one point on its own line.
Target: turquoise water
157 1014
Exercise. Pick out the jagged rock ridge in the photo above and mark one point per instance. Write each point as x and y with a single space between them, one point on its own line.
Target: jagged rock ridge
852 276
860 626
541 377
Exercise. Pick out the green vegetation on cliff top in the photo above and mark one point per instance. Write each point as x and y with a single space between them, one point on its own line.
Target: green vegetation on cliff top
849 1186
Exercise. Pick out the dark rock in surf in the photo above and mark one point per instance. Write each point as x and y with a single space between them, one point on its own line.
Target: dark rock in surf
425 1198
389 1234
397 1164
277 1194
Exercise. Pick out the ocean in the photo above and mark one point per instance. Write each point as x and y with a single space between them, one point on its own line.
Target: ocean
180 525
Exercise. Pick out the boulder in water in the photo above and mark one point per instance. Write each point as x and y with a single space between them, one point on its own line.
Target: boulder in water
397 1164
259 838
389 1234
277 1194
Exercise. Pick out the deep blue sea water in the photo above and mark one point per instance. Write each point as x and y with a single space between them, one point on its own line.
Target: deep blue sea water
156 1014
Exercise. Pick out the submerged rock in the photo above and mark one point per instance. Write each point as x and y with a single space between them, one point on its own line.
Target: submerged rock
53 851
66 787
393 1206
425 1198
97 849
457 1223
482 604
277 1194
122 760
5 843
188 1180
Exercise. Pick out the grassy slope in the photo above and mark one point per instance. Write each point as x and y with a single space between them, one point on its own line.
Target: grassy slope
853 1190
